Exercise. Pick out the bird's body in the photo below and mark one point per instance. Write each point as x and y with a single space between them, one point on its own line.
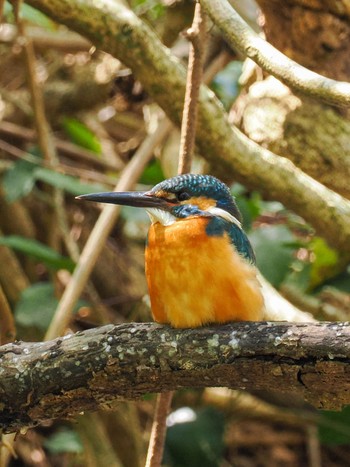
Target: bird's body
199 262
194 279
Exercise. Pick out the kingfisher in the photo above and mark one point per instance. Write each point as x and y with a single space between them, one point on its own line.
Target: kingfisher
199 263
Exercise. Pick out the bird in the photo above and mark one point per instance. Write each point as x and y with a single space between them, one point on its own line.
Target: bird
199 263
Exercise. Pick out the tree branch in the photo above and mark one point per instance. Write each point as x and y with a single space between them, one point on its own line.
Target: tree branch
115 29
96 368
196 36
241 37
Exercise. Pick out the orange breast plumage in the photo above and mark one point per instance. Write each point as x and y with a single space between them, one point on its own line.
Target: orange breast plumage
195 279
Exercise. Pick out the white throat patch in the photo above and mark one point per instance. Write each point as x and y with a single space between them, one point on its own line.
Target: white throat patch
225 215
158 215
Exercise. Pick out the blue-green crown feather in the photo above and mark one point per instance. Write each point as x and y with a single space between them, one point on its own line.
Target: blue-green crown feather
201 185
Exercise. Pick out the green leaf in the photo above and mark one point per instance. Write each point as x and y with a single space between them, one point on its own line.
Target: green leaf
326 259
81 135
334 428
274 251
226 85
154 9
36 306
38 251
152 174
29 14
250 208
67 183
341 282
299 276
64 440
19 180
198 442
250 205
138 216
36 17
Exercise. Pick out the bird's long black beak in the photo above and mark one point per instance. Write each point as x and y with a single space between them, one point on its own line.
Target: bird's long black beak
140 199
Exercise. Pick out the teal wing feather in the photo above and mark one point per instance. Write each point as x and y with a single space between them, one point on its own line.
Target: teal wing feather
218 226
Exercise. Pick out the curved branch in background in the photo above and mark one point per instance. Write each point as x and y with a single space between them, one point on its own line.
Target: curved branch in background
242 38
117 30
96 368
61 40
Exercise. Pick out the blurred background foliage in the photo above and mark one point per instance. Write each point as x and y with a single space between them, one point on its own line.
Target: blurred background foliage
99 116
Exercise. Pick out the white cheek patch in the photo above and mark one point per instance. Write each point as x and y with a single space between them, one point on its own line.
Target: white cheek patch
225 215
163 217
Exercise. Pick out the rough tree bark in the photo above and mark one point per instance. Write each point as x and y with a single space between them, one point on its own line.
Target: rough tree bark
324 26
96 368
313 135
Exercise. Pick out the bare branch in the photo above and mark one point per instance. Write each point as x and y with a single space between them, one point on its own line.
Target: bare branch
46 39
42 126
196 35
7 326
241 37
76 152
96 368
159 428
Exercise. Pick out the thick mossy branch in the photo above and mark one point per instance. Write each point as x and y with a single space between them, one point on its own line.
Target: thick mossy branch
96 368
115 29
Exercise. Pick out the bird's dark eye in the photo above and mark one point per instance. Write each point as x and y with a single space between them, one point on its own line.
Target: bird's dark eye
183 196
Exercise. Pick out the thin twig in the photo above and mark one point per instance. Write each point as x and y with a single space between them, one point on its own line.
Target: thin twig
7 450
158 432
7 322
47 146
41 123
196 35
61 168
71 149
16 99
44 134
46 39
2 6
313 446
213 68
100 232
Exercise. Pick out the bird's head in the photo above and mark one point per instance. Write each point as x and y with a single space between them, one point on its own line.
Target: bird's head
178 198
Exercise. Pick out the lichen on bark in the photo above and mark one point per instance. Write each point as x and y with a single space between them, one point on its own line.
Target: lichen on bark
97 368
